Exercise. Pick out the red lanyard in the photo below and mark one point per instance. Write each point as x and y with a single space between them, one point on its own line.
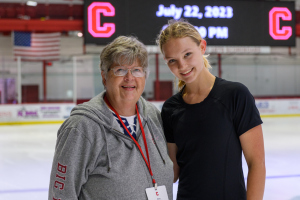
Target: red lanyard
137 144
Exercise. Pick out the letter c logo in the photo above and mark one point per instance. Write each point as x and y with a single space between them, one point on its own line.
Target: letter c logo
94 27
274 23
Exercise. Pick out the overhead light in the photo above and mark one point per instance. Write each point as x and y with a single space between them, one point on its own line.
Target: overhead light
31 3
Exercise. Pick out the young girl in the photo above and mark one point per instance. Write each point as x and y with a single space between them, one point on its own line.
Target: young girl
208 124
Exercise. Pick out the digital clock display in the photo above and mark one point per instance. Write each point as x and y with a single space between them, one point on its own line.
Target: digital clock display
240 23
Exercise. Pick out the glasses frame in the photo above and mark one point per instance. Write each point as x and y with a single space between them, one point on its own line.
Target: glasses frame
127 69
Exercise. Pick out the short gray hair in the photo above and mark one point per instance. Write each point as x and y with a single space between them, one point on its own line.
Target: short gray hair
124 50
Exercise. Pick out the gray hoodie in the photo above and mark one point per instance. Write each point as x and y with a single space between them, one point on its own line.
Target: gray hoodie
94 160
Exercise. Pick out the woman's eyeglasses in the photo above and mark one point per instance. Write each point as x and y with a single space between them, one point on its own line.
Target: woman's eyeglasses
122 71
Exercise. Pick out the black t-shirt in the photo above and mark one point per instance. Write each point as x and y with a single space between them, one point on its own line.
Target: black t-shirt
207 136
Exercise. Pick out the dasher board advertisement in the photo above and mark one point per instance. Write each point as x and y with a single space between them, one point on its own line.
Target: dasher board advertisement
243 23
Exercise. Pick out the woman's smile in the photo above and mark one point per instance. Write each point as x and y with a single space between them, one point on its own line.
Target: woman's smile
187 73
128 87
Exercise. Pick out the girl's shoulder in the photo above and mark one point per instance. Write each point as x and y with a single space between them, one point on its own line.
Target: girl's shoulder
231 89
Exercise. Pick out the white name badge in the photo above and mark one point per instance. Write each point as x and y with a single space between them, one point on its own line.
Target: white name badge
159 194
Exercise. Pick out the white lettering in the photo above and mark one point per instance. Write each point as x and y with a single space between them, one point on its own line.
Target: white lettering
212 31
160 11
218 32
171 11
202 30
222 32
168 12
178 13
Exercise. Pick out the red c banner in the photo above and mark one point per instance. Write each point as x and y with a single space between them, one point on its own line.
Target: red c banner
274 23
94 27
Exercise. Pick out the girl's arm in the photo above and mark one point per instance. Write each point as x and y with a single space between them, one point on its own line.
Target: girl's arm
253 149
172 148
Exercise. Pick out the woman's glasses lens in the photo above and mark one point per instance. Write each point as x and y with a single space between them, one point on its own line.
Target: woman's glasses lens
122 71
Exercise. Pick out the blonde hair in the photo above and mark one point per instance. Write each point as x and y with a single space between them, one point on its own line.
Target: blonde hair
180 29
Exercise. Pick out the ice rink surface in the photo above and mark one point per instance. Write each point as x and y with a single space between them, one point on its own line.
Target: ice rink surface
26 153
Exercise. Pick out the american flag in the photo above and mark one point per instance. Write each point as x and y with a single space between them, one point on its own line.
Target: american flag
36 46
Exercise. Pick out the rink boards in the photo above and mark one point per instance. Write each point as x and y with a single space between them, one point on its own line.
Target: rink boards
35 113
58 112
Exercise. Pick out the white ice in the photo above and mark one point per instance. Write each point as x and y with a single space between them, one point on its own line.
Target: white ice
26 153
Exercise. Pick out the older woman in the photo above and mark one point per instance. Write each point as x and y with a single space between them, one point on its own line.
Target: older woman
113 146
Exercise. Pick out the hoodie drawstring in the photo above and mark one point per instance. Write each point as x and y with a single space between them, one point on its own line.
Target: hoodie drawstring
108 158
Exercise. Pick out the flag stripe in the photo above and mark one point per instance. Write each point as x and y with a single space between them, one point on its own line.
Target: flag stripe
38 55
46 44
34 54
48 48
24 58
45 40
45 35
37 58
37 46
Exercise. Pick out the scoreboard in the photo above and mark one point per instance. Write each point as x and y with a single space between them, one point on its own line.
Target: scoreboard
240 23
